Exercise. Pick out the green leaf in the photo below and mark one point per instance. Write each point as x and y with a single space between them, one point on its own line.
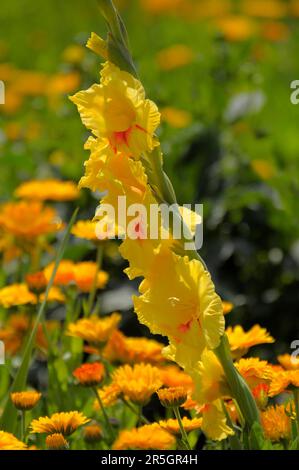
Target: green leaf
9 416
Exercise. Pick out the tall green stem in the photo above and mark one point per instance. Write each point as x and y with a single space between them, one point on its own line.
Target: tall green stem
105 416
182 429
94 284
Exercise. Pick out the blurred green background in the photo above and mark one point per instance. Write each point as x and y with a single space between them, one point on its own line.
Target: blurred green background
220 72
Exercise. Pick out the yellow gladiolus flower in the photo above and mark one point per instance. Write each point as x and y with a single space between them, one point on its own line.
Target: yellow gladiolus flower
214 422
117 110
148 437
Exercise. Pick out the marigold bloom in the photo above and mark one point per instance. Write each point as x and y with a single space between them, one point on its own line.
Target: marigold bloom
227 307
48 190
236 27
64 274
85 229
9 442
288 362
138 383
264 8
27 220
56 441
94 330
116 110
173 376
16 294
85 274
121 348
172 397
109 395
255 371
240 341
276 423
284 380
260 393
92 433
36 281
175 56
148 437
89 375
177 118
54 295
65 423
25 400
172 425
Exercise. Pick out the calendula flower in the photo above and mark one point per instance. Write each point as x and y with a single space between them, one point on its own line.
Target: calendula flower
85 229
94 330
65 423
74 54
64 275
264 8
117 110
148 437
47 190
288 362
121 348
255 371
288 379
89 375
27 220
276 423
263 168
54 295
85 274
179 300
236 27
177 118
16 294
56 441
260 393
25 400
240 341
92 433
173 376
36 282
172 397
172 425
137 383
175 56
9 442
227 307
108 395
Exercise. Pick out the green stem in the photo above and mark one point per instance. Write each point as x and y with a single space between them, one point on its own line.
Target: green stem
94 284
296 400
23 425
234 441
105 416
182 429
141 418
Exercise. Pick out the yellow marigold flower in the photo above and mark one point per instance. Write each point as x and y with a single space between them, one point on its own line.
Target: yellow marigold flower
264 8
116 110
65 423
25 400
92 433
28 219
173 376
284 380
85 229
56 441
138 383
288 362
9 442
109 395
172 397
175 56
172 425
55 295
64 275
73 54
94 330
240 341
227 307
276 423
47 190
121 348
148 437
89 375
255 371
177 118
264 169
16 294
180 302
85 274
214 421
236 28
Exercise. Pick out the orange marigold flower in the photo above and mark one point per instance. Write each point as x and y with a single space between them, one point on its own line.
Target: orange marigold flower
9 442
56 441
64 275
236 27
48 190
173 376
174 57
108 395
284 380
121 348
148 437
288 362
240 341
25 400
172 397
276 423
65 423
227 307
260 393
27 220
36 281
172 425
94 330
89 375
16 294
137 383
85 274
92 433
255 371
